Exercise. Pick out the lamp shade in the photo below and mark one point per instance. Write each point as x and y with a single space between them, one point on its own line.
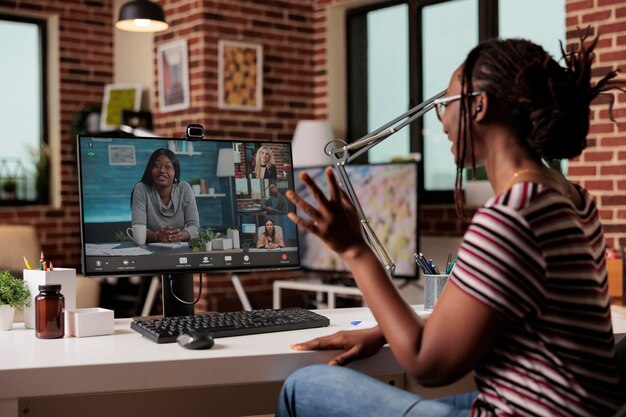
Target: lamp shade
141 16
309 140
226 163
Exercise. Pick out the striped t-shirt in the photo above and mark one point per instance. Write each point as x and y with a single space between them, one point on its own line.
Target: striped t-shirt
533 256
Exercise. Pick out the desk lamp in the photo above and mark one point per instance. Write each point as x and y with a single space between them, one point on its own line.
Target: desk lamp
340 153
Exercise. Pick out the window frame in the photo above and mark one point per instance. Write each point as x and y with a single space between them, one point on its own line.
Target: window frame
356 75
42 26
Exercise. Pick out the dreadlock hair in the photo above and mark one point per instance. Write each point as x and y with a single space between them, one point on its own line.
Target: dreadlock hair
547 104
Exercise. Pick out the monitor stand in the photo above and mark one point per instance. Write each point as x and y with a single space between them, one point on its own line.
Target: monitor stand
181 287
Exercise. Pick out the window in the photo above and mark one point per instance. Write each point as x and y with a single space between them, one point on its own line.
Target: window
402 52
24 177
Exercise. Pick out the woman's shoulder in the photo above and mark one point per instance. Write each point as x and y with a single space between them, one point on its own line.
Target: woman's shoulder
184 186
140 187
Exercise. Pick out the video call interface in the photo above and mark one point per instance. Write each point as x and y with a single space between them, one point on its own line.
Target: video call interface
158 205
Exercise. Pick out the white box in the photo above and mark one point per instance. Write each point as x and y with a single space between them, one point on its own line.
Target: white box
84 322
221 244
234 236
34 278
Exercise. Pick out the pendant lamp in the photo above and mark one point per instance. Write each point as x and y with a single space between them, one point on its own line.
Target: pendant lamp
141 16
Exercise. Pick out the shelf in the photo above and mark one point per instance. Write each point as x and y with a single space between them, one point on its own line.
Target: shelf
210 195
187 153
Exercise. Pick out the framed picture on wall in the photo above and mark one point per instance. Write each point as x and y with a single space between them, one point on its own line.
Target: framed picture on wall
240 75
117 98
173 74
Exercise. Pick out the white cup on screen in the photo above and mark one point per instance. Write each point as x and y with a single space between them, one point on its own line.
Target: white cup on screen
137 233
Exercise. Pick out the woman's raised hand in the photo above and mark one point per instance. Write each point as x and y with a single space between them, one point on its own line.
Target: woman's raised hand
356 344
334 220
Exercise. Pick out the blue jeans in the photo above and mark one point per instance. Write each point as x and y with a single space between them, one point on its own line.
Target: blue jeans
333 391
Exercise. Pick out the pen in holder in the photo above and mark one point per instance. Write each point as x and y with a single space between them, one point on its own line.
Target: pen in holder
433 288
66 277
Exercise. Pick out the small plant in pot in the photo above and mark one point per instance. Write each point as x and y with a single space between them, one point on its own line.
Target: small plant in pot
196 185
203 241
14 295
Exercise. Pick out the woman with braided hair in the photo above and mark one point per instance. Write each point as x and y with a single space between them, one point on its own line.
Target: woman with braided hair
527 306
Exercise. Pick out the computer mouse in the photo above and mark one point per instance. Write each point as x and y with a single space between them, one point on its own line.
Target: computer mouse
196 339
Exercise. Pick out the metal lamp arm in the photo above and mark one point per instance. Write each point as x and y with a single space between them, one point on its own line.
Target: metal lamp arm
375 137
340 156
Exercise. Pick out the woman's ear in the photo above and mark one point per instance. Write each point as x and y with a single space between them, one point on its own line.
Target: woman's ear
480 109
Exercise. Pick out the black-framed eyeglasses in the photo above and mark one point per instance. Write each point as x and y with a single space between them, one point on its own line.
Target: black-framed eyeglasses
441 103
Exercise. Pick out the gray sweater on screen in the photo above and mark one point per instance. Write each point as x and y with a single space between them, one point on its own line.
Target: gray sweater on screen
181 212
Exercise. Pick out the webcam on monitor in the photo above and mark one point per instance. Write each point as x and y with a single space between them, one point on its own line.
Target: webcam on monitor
194 131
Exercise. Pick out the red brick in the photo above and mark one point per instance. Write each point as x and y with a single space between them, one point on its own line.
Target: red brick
601 128
621 184
617 113
612 56
571 21
613 141
615 228
613 170
621 214
609 2
597 16
581 171
598 156
612 27
606 214
599 185
613 200
572 6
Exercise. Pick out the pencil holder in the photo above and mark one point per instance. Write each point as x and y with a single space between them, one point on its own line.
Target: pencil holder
433 288
66 277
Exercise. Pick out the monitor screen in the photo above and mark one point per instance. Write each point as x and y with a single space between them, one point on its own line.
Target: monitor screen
388 195
163 206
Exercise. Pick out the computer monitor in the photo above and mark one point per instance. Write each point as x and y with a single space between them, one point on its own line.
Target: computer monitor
388 196
165 206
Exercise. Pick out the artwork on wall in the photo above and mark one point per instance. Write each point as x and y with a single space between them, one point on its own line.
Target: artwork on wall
240 75
122 155
173 72
117 98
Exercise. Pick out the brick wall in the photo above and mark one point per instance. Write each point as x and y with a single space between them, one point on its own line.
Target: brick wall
602 166
85 66
284 28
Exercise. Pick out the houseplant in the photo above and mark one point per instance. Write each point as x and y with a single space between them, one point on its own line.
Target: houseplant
14 294
203 241
196 185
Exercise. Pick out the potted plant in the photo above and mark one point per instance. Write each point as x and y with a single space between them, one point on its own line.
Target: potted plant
196 183
203 241
14 294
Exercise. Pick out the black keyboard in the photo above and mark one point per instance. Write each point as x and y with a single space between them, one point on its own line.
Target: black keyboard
236 323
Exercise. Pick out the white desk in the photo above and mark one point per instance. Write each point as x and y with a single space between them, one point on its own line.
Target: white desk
95 376
127 375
